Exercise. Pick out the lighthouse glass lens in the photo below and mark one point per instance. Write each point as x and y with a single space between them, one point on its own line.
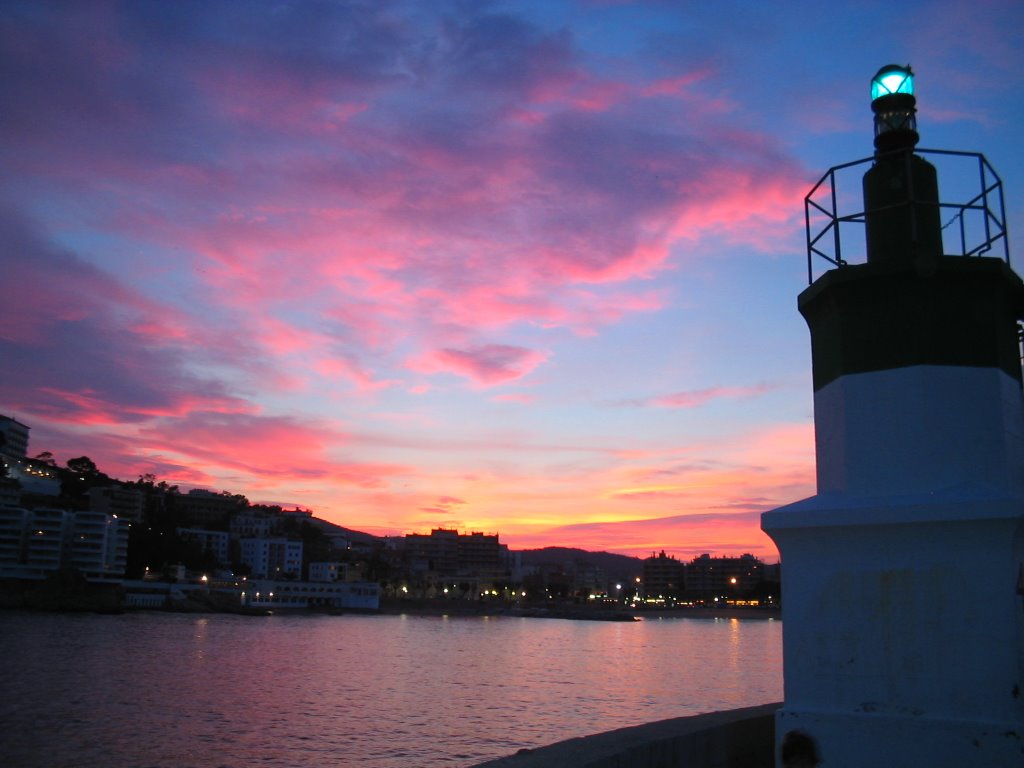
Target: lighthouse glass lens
895 81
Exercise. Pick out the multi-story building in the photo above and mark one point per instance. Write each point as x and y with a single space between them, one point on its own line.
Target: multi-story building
272 557
337 571
13 539
437 552
726 578
213 542
209 508
271 593
448 553
47 542
13 438
481 554
255 522
662 577
35 543
123 502
10 492
99 545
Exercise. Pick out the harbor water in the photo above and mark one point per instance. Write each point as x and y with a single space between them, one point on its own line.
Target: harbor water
159 690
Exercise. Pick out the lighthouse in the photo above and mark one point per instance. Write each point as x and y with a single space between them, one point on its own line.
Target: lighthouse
903 577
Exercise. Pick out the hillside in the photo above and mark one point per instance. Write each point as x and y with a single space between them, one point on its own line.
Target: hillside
615 566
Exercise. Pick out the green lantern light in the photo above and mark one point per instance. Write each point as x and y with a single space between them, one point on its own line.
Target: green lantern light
894 105
892 79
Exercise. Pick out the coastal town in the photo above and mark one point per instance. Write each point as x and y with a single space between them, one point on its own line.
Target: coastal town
71 537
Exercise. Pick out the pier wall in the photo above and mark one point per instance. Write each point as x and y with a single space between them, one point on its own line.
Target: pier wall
738 738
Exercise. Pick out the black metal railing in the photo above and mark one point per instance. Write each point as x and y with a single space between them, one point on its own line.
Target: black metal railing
973 201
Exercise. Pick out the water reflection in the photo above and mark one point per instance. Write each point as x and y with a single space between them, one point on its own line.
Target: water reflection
377 691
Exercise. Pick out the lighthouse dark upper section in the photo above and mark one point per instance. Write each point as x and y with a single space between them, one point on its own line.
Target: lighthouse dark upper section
893 314
910 304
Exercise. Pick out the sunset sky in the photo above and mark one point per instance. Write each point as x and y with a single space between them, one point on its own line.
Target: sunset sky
527 268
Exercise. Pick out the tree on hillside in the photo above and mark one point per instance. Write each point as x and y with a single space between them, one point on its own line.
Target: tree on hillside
82 465
46 458
81 475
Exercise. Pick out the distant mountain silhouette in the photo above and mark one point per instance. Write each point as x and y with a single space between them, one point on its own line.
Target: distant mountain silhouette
614 566
332 529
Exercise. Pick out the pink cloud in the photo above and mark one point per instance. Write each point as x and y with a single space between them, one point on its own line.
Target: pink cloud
515 397
581 92
272 448
698 397
90 407
336 368
307 215
444 507
673 86
485 365
744 208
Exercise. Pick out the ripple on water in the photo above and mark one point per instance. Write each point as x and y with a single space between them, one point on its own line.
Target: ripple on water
180 691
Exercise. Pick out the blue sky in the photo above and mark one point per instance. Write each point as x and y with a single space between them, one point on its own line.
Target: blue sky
525 268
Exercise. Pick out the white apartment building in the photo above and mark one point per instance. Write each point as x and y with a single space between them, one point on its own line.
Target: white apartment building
99 545
214 542
272 557
254 523
13 530
352 595
326 572
35 543
13 438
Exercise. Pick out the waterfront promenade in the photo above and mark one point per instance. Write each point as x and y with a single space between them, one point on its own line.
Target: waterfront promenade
740 738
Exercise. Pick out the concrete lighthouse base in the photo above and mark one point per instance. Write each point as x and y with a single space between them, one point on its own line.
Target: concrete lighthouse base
904 627
888 741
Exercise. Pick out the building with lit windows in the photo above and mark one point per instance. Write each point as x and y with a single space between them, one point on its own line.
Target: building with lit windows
449 553
35 477
99 545
47 541
123 502
36 543
33 543
331 571
272 557
275 594
662 577
710 577
437 552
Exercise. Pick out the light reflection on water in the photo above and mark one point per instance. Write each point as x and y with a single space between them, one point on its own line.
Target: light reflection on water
175 691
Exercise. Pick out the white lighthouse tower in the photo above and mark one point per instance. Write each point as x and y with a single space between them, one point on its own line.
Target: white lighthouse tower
903 578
